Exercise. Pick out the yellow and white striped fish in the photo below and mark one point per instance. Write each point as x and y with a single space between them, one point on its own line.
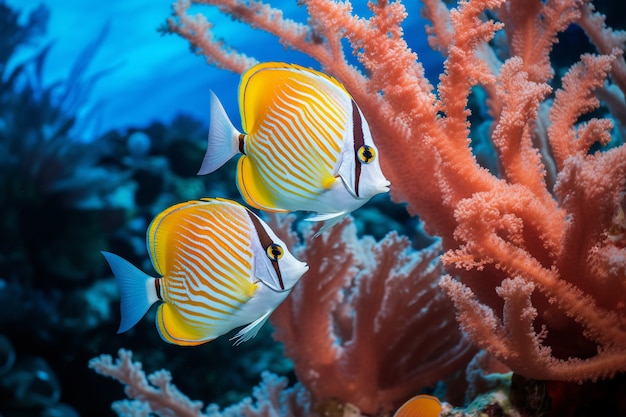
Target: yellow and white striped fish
306 146
222 267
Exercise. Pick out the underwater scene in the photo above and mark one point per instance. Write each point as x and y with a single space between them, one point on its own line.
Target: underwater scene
313 208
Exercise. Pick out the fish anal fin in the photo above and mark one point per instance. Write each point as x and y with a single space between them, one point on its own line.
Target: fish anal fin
173 329
252 189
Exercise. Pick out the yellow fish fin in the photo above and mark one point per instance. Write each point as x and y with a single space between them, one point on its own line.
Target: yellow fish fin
175 329
252 189
157 236
421 405
254 100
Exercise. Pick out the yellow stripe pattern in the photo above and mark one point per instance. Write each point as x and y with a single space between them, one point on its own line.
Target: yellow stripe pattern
296 145
209 264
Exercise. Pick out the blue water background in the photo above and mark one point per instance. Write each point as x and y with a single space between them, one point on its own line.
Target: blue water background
151 77
62 308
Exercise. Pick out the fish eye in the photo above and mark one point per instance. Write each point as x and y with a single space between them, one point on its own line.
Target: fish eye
366 154
275 252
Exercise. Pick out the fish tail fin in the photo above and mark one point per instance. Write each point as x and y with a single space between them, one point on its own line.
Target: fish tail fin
137 290
223 141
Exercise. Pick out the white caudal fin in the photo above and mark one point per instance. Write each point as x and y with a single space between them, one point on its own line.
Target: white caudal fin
137 290
223 141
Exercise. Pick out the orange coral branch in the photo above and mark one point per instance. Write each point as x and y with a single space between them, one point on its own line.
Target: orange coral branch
574 100
532 26
379 326
521 162
608 41
198 31
540 268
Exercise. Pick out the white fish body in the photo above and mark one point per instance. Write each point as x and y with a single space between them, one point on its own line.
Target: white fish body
306 147
222 267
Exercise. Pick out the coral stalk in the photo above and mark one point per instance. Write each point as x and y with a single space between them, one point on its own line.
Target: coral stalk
539 268
379 329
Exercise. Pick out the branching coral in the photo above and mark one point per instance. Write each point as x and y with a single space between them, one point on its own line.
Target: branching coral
155 394
540 272
368 324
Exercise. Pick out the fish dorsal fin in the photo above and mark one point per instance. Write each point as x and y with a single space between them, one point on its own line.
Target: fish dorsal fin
254 100
157 236
253 190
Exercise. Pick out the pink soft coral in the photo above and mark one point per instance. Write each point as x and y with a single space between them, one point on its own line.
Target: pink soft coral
540 270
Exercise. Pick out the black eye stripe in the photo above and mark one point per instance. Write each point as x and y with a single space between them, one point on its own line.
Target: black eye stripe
359 140
266 242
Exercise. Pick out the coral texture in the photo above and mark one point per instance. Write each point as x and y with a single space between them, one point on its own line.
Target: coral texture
156 394
368 325
536 251
362 302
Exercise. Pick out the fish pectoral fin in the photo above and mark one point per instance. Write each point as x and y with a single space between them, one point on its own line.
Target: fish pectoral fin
251 329
174 329
329 219
320 217
252 189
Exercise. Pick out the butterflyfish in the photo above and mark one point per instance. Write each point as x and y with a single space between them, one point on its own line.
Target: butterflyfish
421 405
305 146
221 267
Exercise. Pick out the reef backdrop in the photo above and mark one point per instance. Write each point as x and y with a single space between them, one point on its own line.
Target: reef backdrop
493 276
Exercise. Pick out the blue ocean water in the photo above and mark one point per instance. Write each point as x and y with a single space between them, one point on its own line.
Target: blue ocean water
64 197
76 179
153 77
